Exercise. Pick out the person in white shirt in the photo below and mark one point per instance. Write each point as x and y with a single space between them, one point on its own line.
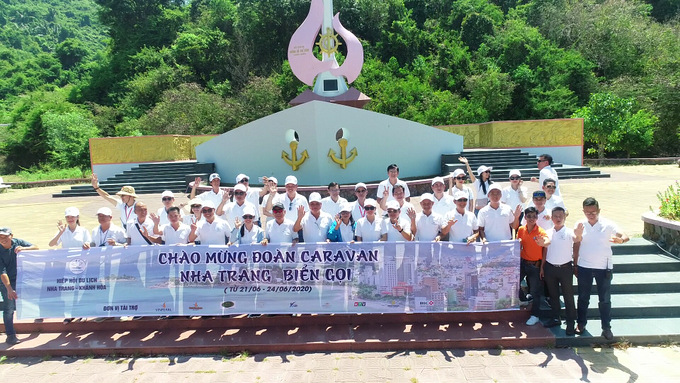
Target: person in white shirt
385 187
557 269
480 184
213 195
107 234
253 195
394 228
140 229
195 206
175 232
248 232
427 224
496 220
271 187
314 223
593 260
358 211
332 203
514 194
461 224
405 207
280 230
457 184
546 171
211 230
71 235
168 200
233 211
126 203
544 219
291 199
368 227
443 202
552 200
342 228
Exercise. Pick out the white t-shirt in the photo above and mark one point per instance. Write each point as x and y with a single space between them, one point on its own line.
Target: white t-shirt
76 238
471 196
444 205
253 196
369 232
549 172
116 233
283 233
190 218
392 234
464 227
215 233
358 211
163 215
561 246
254 235
595 251
544 220
428 226
172 237
126 212
330 207
315 229
136 238
496 222
387 185
210 195
291 206
482 197
403 213
233 210
511 197
346 232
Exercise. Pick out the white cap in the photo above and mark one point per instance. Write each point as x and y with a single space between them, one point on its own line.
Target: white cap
345 207
393 205
370 202
273 179
515 172
195 201
241 177
482 169
360 185
213 176
240 187
460 195
458 172
249 210
426 196
494 187
105 211
168 193
71 212
437 179
291 180
314 197
209 204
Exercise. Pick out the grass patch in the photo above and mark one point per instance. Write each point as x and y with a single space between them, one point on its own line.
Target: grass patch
241 357
414 380
3 359
46 173
206 372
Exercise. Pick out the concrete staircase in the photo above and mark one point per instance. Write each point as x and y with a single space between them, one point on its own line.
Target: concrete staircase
148 178
503 160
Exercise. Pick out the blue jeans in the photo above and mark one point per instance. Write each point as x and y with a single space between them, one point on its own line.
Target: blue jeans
533 276
8 311
603 279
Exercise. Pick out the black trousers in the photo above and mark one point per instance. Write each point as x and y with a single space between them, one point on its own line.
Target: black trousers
556 277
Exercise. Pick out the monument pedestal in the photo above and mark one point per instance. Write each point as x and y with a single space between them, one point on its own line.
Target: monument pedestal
352 98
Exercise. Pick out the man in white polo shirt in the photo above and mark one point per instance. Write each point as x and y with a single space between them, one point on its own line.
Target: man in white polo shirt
332 203
593 260
291 199
394 228
314 223
428 224
211 230
280 230
232 212
497 220
443 202
546 171
461 224
544 215
389 183
253 195
140 228
213 195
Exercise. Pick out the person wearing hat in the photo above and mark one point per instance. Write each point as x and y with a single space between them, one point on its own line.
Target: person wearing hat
71 234
107 234
480 184
457 184
271 187
332 203
314 223
126 204
342 228
385 187
140 229
544 219
443 203
427 223
406 208
175 232
195 209
394 228
215 194
515 194
461 224
368 227
232 212
291 199
253 195
248 232
211 230
497 220
280 229
9 248
168 200
358 210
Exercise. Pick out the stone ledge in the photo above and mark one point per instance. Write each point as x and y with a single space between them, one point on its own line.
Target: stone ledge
653 219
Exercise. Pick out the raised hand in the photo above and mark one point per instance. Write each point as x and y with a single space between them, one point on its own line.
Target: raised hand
540 240
386 193
579 229
411 213
301 211
61 226
463 160
518 210
155 218
451 222
237 223
94 180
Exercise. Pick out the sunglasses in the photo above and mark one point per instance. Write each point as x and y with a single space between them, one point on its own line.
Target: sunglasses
206 210
195 206
361 191
462 178
167 198
243 181
369 208
240 193
528 217
278 210
248 216
550 187
462 200
487 171
515 178
392 211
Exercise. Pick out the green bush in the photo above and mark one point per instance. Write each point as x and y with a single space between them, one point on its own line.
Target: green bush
670 202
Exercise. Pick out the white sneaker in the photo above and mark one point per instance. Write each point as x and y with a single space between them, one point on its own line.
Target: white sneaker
532 320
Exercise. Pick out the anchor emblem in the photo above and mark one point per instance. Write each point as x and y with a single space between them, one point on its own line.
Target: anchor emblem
293 159
343 160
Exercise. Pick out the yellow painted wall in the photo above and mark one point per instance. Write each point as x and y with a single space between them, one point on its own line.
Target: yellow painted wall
117 150
519 134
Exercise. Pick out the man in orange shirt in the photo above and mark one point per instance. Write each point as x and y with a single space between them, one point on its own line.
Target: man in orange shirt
534 241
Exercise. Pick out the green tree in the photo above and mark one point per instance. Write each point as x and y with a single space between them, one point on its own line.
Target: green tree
68 137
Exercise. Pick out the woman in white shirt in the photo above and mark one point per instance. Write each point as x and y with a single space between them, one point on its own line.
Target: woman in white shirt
247 232
71 234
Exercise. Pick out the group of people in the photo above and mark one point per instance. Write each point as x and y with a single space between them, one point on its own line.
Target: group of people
486 212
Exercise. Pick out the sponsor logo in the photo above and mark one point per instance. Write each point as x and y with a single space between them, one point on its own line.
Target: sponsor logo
163 308
293 304
77 266
227 304
359 304
195 307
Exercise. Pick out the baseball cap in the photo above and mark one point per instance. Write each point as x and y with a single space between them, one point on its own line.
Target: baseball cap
240 187
248 210
460 195
196 201
213 176
538 194
314 197
360 185
278 205
208 204
437 179
514 172
291 180
370 202
274 180
482 169
393 205
458 172
168 193
494 187
345 207
427 196
5 231
105 211
241 176
71 212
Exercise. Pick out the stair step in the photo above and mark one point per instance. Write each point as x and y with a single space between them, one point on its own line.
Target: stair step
641 331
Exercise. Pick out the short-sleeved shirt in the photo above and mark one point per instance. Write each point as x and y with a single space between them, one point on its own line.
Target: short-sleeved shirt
126 212
482 196
213 233
254 235
595 251
210 195
330 207
428 226
549 172
403 213
280 233
100 238
315 229
464 227
173 237
368 231
163 215
76 238
358 211
530 250
233 210
496 222
387 185
444 205
253 196
291 206
392 234
561 247
8 259
543 219
511 197
136 238
471 196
